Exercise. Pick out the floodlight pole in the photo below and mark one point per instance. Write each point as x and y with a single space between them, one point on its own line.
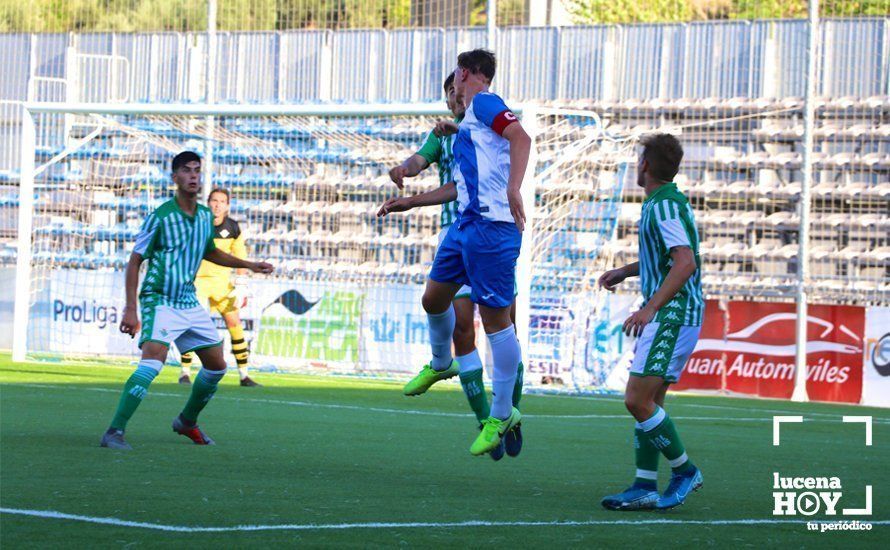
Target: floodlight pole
803 253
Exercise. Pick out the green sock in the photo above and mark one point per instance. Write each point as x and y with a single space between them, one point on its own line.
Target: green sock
202 390
646 459
474 389
662 434
135 390
517 387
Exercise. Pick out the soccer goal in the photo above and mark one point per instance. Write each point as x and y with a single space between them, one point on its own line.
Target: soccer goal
306 183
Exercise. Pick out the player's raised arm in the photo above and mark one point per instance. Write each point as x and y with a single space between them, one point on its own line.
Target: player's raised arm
412 166
612 278
418 162
440 195
219 257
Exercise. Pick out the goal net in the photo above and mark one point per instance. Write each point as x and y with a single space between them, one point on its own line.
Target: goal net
306 184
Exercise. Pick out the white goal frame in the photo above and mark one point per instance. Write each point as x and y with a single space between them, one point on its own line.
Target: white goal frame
527 113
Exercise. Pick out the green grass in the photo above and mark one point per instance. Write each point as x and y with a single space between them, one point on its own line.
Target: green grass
289 453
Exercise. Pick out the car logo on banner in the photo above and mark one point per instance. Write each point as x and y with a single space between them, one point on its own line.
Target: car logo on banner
750 348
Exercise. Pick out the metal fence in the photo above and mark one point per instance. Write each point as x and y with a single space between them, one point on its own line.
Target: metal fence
691 60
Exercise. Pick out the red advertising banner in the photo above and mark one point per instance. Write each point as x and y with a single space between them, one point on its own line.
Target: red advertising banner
749 348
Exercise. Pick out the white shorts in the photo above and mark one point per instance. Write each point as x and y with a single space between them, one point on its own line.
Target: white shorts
463 291
190 329
663 349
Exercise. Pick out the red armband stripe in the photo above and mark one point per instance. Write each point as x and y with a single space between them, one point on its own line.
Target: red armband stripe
502 120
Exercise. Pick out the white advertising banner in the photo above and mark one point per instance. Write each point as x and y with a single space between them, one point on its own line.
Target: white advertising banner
876 378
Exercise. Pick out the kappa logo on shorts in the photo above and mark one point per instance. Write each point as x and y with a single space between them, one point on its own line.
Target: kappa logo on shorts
662 344
668 333
660 355
657 367
672 316
674 305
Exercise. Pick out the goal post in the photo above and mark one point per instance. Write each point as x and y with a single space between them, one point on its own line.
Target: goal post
306 182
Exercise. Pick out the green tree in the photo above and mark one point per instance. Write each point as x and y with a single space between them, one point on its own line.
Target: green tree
247 15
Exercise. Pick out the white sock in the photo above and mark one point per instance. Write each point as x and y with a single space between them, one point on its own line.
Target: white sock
242 372
506 355
441 332
470 361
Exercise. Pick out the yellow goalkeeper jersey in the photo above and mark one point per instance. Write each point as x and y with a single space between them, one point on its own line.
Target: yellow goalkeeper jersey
227 237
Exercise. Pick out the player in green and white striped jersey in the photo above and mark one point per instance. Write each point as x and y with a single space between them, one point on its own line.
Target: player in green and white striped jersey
437 150
667 326
175 238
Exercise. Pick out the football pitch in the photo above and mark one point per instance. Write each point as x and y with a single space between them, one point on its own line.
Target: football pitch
321 461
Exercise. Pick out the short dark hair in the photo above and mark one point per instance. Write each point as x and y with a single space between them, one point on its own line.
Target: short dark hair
184 158
449 81
663 152
222 190
478 61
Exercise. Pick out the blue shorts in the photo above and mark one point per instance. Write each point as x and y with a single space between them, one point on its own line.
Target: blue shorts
481 254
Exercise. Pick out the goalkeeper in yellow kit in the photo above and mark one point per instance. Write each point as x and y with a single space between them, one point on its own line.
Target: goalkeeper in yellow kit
215 287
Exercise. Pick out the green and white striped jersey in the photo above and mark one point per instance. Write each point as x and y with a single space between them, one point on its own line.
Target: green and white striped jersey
174 244
437 150
667 221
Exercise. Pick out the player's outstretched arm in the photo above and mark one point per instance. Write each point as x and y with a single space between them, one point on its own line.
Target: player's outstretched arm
219 257
520 148
412 166
612 278
440 195
130 318
446 128
682 268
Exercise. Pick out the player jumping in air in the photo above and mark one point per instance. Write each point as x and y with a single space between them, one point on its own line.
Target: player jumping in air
667 326
214 284
491 151
174 239
438 150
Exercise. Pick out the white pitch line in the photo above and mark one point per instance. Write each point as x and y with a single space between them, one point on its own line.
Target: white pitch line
51 514
407 411
414 412
679 403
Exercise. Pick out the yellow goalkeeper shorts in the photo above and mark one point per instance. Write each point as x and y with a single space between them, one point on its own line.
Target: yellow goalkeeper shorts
219 295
